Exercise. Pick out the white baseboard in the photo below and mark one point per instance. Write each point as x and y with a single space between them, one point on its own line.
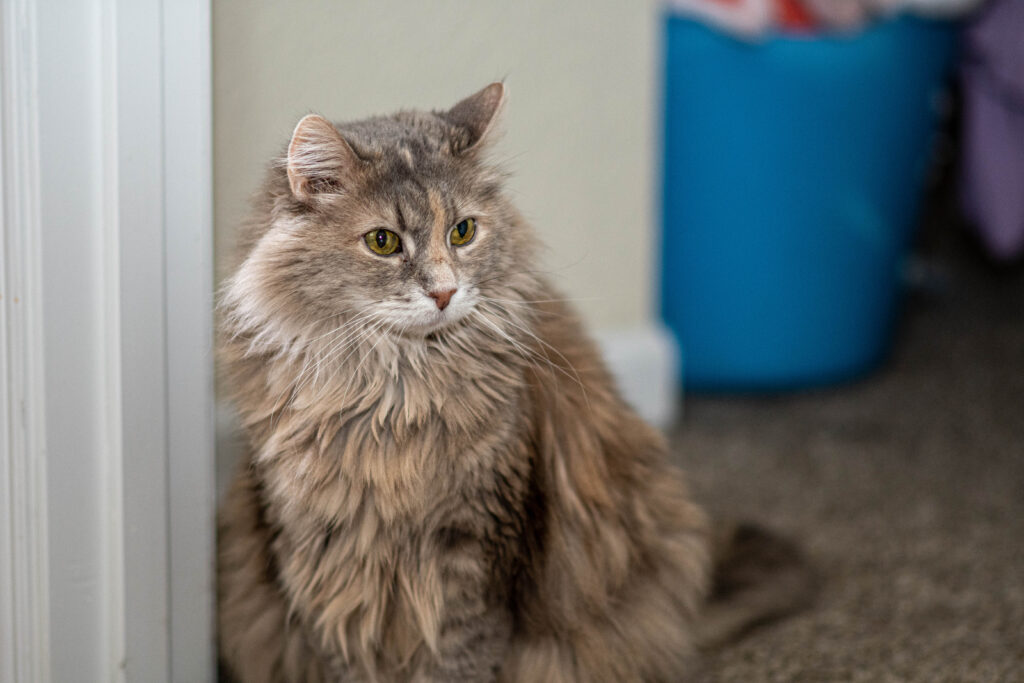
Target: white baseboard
645 362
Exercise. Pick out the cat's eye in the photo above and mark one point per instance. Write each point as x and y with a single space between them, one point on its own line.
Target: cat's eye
383 242
463 232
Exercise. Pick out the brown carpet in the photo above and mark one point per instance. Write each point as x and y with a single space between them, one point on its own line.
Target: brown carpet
906 489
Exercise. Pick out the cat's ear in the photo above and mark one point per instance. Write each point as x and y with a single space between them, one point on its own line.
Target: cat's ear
477 114
319 159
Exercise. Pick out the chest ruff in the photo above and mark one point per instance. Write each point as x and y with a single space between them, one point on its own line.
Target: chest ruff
381 533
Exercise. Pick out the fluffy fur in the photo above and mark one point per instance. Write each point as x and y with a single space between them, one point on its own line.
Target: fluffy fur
434 495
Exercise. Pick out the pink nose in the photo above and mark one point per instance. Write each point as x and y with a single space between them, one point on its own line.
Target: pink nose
442 298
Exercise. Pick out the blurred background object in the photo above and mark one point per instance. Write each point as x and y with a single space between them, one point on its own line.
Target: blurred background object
798 139
793 174
992 178
752 18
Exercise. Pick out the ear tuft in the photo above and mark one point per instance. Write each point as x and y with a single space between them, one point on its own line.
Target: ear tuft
477 113
319 159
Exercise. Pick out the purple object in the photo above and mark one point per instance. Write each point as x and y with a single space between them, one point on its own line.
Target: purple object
992 185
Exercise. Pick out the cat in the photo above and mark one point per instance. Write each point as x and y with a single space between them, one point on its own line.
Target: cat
442 483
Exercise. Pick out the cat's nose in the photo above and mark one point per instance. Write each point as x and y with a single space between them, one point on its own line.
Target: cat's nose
442 298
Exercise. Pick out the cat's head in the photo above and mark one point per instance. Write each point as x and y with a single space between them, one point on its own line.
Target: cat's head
396 224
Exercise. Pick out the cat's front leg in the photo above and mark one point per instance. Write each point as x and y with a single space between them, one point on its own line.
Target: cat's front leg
472 648
476 622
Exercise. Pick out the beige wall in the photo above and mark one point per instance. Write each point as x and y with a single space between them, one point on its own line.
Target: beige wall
580 116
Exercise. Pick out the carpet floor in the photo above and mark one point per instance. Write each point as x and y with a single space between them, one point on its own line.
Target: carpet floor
905 489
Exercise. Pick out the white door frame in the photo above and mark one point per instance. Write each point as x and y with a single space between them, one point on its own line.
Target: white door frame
188 216
24 598
107 468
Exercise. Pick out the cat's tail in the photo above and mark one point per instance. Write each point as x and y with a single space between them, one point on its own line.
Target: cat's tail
758 577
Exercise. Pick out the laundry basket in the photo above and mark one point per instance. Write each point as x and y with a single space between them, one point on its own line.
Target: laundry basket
792 174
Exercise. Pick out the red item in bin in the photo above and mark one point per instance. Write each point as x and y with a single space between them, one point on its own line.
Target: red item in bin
788 14
752 17
793 15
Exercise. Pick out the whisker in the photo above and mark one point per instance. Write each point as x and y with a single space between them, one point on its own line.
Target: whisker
523 352
537 301
348 386
350 339
575 374
349 348
349 331
345 324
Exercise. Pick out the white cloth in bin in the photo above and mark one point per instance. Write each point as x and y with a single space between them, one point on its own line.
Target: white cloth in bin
849 14
746 18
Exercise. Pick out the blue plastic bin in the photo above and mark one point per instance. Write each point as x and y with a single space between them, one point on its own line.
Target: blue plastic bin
792 175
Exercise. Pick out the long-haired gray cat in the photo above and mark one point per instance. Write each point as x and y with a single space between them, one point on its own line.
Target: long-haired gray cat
442 483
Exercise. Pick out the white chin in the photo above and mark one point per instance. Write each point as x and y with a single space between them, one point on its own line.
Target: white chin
435 320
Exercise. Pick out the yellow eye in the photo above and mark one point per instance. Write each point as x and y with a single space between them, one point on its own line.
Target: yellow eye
383 242
463 232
